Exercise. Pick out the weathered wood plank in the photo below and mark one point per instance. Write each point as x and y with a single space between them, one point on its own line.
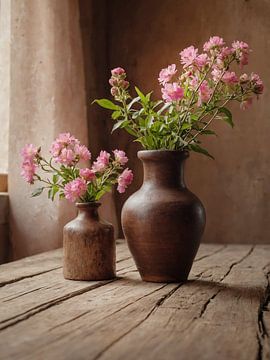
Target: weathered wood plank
95 323
214 317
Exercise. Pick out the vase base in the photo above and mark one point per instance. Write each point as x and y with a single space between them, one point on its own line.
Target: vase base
164 279
90 278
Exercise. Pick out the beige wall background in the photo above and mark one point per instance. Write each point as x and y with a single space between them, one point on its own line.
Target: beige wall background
145 36
61 53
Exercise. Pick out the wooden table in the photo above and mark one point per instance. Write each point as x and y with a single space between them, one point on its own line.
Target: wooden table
221 313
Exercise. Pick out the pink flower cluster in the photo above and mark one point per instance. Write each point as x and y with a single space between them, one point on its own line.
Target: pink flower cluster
118 82
75 189
124 180
29 164
67 150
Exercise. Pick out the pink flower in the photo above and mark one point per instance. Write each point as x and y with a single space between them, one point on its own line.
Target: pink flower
172 92
201 60
87 174
28 171
213 42
124 180
102 161
75 189
244 78
118 71
258 84
246 104
241 51
82 152
230 78
216 74
166 74
114 91
66 157
29 152
205 93
120 157
225 52
188 55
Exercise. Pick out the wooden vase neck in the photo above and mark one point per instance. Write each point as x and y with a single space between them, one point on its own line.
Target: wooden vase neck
164 168
88 210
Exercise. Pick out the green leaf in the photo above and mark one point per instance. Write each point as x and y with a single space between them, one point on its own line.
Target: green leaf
37 192
116 114
228 116
185 126
55 178
136 99
141 95
55 190
106 104
120 124
199 149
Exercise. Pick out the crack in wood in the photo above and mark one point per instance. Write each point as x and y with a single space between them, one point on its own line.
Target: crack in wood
262 333
23 294
211 254
154 308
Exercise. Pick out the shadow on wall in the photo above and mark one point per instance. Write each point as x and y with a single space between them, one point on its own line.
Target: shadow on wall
145 36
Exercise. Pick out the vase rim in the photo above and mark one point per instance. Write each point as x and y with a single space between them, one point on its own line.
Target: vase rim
148 154
82 205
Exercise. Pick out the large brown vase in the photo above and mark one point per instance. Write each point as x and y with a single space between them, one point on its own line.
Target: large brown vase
89 246
163 221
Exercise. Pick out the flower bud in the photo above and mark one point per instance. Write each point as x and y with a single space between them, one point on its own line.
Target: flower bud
118 71
114 91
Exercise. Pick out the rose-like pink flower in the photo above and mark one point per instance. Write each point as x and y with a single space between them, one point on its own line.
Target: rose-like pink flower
216 74
66 157
120 157
124 180
29 152
87 174
258 84
82 152
205 93
213 42
201 60
188 55
230 77
118 71
172 92
75 189
242 51
101 162
246 104
224 53
28 171
166 74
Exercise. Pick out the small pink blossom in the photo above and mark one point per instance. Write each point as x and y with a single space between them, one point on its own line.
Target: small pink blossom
82 152
188 55
66 157
75 189
201 60
87 174
172 92
258 84
114 91
213 42
124 180
242 51
120 157
166 74
205 93
102 161
216 74
28 171
246 104
230 77
224 53
29 152
118 71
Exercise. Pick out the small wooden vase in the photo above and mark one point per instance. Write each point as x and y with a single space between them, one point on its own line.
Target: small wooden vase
89 246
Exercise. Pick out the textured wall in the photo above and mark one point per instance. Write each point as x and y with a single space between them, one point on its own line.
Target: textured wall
4 81
145 36
46 97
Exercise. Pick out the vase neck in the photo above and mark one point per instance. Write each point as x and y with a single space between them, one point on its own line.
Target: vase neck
88 210
164 168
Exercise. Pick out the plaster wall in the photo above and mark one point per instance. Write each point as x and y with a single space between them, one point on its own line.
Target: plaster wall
4 81
145 36
46 97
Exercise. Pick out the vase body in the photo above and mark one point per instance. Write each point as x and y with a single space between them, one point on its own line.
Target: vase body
163 221
89 246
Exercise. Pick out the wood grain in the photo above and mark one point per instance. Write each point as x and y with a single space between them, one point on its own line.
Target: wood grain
221 313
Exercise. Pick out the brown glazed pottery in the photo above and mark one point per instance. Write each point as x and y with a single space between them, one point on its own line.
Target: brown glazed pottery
163 221
89 246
